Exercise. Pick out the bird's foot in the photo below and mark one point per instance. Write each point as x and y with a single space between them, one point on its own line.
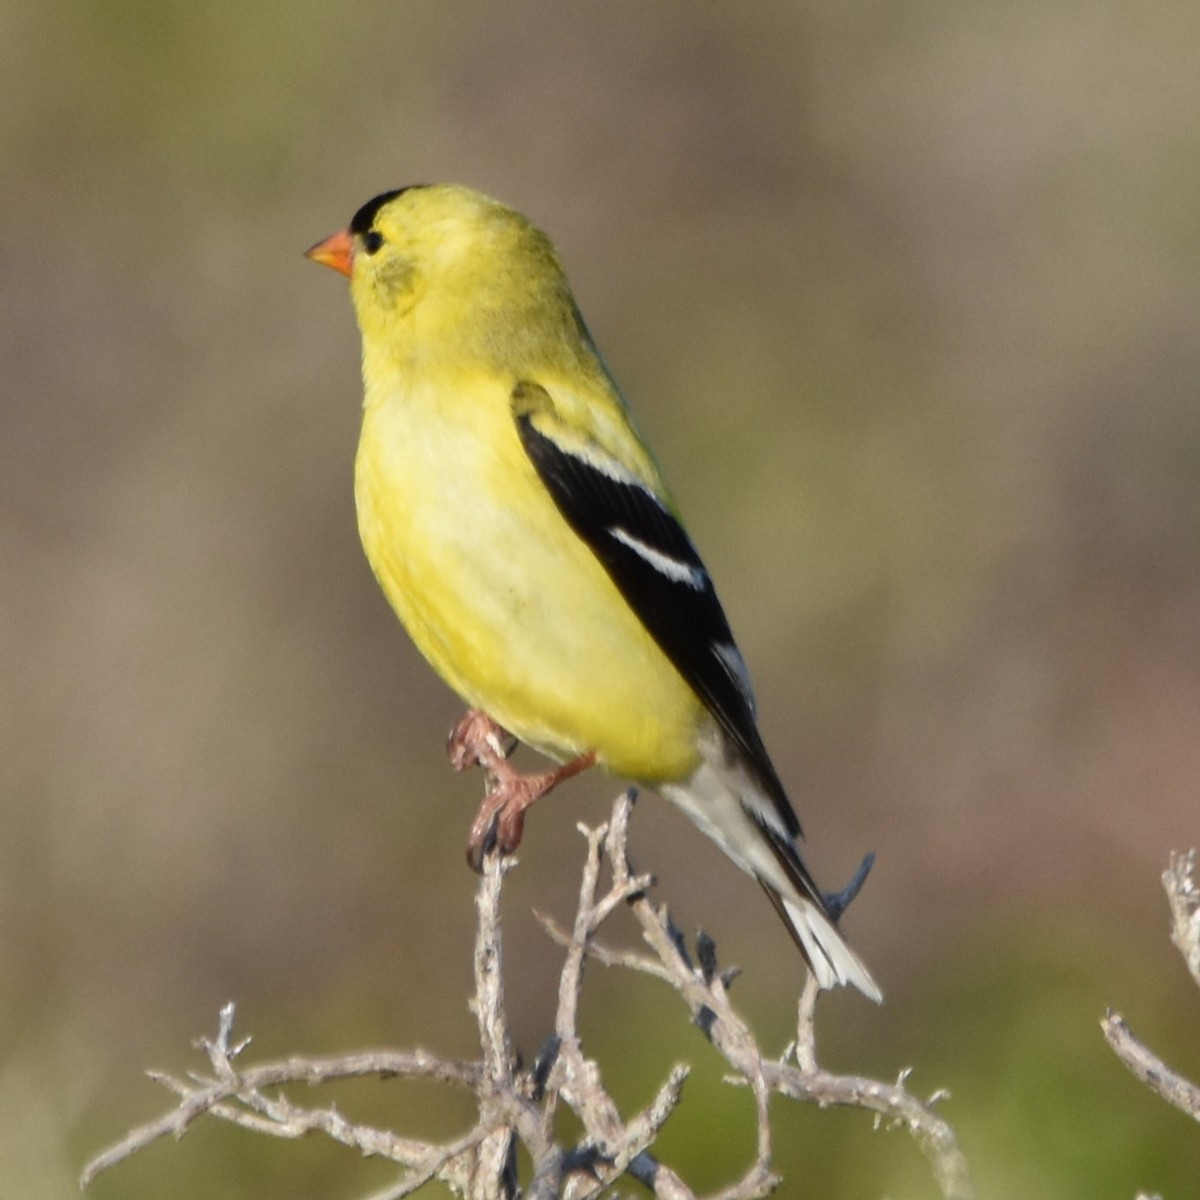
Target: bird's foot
836 903
478 741
500 821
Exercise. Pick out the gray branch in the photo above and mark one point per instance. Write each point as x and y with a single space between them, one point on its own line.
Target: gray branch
1184 899
1179 879
516 1106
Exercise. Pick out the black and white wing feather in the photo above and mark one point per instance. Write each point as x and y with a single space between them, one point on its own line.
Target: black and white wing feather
651 560
655 567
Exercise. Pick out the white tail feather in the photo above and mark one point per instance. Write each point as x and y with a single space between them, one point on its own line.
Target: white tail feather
833 962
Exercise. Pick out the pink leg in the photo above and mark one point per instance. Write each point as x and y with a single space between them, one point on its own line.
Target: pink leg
478 741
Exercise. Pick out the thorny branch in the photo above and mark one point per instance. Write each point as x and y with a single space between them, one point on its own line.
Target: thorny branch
1184 899
796 1074
1179 879
517 1106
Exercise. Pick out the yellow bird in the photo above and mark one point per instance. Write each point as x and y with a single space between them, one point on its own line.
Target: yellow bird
525 537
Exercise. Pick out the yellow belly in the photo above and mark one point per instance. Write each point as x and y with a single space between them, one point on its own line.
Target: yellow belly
497 592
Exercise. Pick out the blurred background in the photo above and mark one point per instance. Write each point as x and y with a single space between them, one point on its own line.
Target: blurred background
905 297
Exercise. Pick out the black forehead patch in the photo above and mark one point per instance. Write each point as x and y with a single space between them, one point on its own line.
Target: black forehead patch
362 220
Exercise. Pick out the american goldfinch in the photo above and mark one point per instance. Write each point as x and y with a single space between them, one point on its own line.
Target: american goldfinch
524 535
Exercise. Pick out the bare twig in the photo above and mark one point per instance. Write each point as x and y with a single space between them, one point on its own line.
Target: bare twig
517 1106
1179 879
494 1169
614 1144
1149 1068
708 1000
199 1096
891 1102
1184 899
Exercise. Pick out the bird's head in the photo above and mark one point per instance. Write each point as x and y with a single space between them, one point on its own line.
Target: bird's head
453 251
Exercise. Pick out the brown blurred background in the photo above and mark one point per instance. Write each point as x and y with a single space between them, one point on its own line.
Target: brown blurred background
905 296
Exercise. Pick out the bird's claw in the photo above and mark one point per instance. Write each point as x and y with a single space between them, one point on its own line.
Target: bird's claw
500 822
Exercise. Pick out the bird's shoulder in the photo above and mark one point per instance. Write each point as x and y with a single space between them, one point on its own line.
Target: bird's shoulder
584 416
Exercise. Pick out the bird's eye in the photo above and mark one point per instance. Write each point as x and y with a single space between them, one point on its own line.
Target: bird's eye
372 241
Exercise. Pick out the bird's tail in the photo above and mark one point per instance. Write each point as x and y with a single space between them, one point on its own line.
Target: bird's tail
729 806
825 950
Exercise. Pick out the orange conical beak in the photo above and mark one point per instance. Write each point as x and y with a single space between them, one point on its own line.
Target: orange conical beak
336 251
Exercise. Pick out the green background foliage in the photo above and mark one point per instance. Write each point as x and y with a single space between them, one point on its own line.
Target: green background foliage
904 296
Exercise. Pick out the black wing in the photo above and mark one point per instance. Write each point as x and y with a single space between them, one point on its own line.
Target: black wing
656 568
